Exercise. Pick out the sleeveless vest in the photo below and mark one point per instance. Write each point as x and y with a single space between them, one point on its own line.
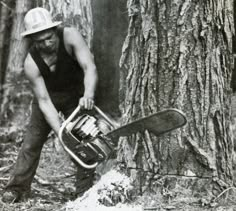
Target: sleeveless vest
68 74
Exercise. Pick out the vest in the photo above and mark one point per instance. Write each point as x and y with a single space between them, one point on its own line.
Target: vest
68 74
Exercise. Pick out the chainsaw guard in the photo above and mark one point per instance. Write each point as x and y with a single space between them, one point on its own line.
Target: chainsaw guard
83 137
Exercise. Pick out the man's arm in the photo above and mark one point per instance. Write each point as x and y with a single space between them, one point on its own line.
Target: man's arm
38 85
84 57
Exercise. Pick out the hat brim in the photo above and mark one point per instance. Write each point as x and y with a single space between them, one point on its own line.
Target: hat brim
33 31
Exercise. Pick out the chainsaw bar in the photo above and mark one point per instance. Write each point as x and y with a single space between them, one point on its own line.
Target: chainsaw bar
158 123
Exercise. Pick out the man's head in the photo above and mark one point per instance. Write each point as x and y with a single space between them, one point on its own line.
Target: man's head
37 20
46 41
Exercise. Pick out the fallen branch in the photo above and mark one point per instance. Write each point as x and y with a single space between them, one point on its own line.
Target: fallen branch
40 190
4 178
50 189
42 181
5 159
5 168
11 153
5 5
59 177
224 191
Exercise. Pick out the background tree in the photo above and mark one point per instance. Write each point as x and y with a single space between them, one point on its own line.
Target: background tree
6 17
179 54
15 96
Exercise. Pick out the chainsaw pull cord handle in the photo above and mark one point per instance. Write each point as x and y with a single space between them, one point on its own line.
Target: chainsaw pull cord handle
64 124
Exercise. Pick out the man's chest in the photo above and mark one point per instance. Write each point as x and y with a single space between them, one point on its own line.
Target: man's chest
51 61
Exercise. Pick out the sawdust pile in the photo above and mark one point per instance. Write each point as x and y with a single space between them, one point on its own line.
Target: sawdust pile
112 190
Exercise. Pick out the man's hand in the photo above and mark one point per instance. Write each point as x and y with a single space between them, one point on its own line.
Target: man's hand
86 103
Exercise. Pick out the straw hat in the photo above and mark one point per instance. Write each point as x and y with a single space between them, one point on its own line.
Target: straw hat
38 19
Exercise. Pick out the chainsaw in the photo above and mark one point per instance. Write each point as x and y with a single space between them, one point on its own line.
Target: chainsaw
89 137
83 136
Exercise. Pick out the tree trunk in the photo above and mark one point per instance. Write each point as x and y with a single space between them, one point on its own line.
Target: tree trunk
6 13
3 26
110 27
178 54
16 97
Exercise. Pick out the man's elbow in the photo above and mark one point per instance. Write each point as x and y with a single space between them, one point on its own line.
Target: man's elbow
93 68
43 103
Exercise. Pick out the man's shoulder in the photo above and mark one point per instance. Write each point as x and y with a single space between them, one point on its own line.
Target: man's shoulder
28 61
30 68
70 29
71 33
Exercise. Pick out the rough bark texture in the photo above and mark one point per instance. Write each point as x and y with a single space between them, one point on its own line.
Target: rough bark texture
6 15
16 98
6 12
233 81
178 54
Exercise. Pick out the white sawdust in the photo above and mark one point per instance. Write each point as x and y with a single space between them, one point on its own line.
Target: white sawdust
89 201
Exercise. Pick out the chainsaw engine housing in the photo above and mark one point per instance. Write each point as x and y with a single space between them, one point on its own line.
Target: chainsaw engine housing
86 137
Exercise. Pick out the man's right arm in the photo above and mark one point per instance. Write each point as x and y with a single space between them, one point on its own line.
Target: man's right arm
40 91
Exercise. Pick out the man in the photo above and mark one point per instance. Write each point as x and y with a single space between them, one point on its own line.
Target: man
62 74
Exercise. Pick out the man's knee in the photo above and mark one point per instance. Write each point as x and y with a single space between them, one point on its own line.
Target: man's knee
32 146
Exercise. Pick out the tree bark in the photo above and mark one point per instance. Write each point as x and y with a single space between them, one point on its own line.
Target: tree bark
16 97
3 26
6 13
178 54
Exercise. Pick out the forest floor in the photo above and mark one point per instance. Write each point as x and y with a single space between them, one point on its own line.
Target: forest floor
53 187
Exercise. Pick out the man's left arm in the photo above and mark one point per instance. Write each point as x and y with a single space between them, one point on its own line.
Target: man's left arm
86 61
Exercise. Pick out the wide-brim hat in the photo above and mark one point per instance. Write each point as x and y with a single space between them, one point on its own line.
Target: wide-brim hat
37 20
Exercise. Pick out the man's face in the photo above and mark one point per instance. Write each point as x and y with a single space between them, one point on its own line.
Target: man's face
45 41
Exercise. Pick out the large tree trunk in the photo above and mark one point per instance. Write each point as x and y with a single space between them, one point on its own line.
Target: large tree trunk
5 12
178 54
16 98
110 28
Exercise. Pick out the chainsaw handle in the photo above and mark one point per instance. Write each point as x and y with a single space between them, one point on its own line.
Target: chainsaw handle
112 122
64 124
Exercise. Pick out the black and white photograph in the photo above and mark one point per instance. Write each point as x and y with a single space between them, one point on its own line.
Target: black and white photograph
117 105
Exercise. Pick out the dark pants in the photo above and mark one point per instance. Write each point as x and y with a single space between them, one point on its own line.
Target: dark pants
35 137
